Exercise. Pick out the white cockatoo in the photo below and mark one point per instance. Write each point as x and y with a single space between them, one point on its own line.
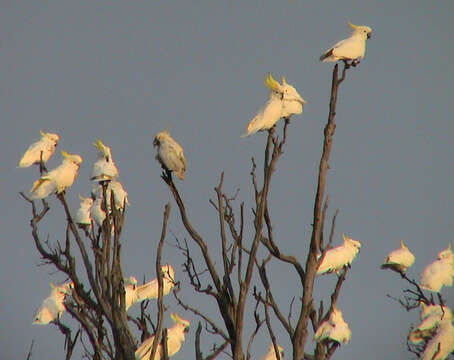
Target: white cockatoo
442 343
138 293
97 213
53 306
399 259
45 146
58 179
104 167
431 316
338 257
82 217
283 101
335 328
271 354
175 337
120 194
170 154
440 272
352 48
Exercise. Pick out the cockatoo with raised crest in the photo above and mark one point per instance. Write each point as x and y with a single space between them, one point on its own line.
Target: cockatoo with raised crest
53 306
45 146
335 328
399 259
104 167
440 272
175 337
352 48
58 179
170 154
283 101
338 257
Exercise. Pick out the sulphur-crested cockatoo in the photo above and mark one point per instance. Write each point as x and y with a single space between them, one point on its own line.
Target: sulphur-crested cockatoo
45 146
283 101
399 259
82 217
175 337
431 316
352 48
440 272
53 306
137 293
97 213
335 328
104 167
170 154
442 343
271 354
58 179
338 257
120 194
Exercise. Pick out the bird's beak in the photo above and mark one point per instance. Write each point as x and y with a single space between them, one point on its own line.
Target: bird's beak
302 101
155 142
369 35
186 329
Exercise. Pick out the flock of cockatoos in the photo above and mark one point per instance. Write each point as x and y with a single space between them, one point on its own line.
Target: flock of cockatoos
284 101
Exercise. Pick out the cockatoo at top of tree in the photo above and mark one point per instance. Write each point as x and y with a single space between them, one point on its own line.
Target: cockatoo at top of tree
175 337
283 101
271 354
431 316
335 328
440 272
338 257
170 154
53 306
46 145
399 259
58 179
442 343
352 48
104 167
137 293
82 217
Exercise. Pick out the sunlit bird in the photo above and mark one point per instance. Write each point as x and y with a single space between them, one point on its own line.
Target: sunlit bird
170 154
58 179
283 101
338 257
82 217
175 338
352 48
97 213
335 328
438 273
45 146
104 167
53 306
442 343
271 354
399 259
431 316
148 291
120 194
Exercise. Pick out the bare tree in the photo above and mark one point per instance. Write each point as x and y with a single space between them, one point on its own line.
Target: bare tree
98 307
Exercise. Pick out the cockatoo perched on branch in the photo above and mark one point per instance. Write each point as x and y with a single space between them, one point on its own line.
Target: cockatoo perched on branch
58 179
399 259
352 48
53 306
170 154
283 101
431 316
440 272
335 328
46 145
442 343
271 354
104 168
175 337
148 291
82 217
338 257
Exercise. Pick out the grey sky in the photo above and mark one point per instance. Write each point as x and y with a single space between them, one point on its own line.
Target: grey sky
122 71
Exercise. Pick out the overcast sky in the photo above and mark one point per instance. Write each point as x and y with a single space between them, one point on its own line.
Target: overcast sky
124 70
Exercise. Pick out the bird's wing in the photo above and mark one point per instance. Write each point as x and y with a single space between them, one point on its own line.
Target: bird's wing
147 291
